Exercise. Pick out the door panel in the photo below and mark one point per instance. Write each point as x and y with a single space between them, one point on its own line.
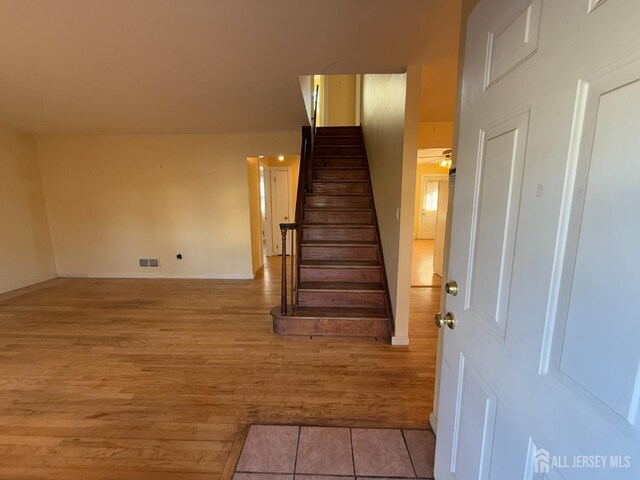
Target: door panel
544 246
475 425
611 201
496 211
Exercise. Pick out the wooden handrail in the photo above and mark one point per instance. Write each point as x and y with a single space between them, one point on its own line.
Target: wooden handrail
305 185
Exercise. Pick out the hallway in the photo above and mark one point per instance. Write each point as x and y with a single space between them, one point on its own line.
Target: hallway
422 274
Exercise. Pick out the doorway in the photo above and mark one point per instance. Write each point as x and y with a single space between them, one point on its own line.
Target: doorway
273 184
280 193
430 221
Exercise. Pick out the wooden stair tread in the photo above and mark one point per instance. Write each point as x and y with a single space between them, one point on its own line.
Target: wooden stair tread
336 225
340 181
340 263
351 313
339 194
339 209
339 168
339 243
341 286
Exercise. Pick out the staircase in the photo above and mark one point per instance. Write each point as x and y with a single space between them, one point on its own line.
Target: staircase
340 287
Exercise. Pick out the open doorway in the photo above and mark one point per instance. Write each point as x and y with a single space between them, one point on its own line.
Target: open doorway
273 184
430 222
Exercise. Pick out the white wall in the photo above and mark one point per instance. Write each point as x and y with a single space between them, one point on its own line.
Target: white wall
390 118
114 199
26 255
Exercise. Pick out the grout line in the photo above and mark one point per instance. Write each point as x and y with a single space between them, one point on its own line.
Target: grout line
406 445
353 455
295 462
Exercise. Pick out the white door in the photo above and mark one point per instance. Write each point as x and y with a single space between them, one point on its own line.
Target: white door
428 208
540 378
280 198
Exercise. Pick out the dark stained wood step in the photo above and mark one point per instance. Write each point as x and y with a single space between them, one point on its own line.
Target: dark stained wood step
339 251
369 322
324 173
340 264
341 286
340 271
338 131
334 150
329 216
338 140
334 243
333 200
343 294
336 232
339 161
340 186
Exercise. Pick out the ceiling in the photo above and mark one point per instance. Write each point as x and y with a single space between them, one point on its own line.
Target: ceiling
207 66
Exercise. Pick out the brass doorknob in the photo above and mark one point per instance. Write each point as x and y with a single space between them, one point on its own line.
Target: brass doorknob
451 288
449 320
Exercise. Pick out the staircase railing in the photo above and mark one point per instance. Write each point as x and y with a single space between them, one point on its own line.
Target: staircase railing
305 185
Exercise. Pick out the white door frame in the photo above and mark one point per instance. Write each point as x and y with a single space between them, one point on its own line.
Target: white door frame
267 202
428 176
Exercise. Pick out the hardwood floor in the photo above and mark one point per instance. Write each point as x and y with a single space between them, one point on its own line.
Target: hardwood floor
153 379
422 274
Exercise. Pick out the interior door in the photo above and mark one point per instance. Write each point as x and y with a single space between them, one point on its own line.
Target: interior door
280 198
429 208
540 378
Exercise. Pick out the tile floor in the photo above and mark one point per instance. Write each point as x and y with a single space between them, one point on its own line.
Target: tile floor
319 453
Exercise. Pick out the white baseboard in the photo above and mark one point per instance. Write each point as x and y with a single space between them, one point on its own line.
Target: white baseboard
433 421
399 341
177 276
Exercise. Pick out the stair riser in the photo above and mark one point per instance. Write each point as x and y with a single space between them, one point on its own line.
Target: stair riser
329 326
338 234
356 218
346 187
340 175
324 140
338 131
313 274
342 201
312 252
331 150
308 298
340 162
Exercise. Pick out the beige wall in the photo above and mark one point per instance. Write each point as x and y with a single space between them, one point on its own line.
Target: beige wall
390 117
26 254
340 97
114 199
423 169
435 135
